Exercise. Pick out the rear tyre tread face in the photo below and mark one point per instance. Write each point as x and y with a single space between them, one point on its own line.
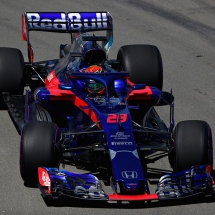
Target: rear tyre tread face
11 70
38 149
193 144
144 64
42 114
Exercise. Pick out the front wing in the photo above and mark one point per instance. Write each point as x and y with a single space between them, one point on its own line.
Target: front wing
55 183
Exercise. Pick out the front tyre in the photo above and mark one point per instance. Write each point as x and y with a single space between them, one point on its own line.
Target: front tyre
193 144
38 148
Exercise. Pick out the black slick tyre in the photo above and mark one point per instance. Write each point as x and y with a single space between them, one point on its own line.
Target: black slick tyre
193 144
11 70
144 64
37 149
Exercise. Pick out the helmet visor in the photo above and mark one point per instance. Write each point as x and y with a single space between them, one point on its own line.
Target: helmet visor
95 87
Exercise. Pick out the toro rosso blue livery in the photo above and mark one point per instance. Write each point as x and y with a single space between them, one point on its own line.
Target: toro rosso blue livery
98 114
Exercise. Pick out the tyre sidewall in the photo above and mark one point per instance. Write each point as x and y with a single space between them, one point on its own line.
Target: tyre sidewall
11 70
144 64
38 148
193 144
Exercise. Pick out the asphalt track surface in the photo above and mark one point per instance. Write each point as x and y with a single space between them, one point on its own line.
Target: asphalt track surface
184 31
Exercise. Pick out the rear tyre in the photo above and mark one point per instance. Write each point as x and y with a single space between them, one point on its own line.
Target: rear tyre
38 149
144 64
11 70
193 144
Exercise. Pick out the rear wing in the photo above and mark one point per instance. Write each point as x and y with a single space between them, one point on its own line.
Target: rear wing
66 23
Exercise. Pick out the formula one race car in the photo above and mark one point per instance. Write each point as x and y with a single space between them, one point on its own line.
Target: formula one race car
98 114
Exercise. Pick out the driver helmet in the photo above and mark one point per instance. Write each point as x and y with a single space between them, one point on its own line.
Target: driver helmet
94 69
91 85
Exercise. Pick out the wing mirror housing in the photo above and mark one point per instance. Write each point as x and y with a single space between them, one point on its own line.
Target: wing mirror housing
139 86
64 87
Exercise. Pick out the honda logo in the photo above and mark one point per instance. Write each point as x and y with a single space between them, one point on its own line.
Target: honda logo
129 174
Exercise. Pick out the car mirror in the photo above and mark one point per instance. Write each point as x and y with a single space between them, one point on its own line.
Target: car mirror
139 86
64 87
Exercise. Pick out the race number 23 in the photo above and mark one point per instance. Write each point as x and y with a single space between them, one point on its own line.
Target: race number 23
116 118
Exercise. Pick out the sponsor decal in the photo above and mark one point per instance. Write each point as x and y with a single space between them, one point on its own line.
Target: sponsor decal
98 100
121 103
120 136
45 179
131 184
67 21
117 100
129 174
50 77
43 176
121 143
102 99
